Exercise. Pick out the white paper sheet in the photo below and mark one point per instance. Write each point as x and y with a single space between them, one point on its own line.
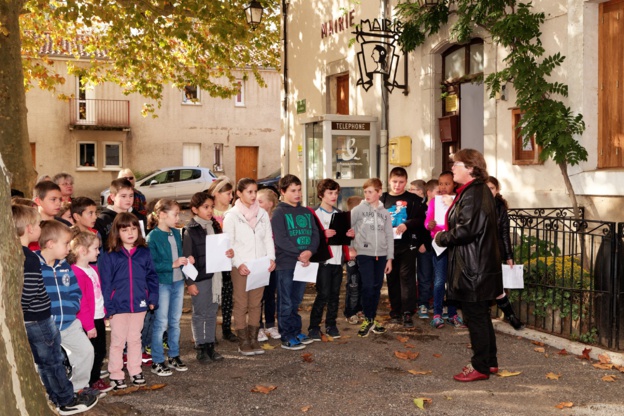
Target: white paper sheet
513 277
396 236
190 271
142 228
306 274
260 273
438 249
216 260
441 208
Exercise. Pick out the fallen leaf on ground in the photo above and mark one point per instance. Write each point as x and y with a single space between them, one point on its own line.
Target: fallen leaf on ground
539 344
153 387
507 373
307 357
609 378
125 391
419 373
326 338
603 366
407 355
437 355
402 339
564 404
585 354
421 402
267 346
263 389
306 408
604 358
345 336
539 349
410 346
186 310
619 368
553 376
563 352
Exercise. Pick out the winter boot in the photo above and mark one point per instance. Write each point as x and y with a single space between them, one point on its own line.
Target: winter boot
212 354
510 316
202 356
253 337
244 345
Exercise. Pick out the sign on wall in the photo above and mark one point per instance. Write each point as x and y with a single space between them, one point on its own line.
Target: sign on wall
380 54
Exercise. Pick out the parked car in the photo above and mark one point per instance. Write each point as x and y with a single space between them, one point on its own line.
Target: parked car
179 183
271 181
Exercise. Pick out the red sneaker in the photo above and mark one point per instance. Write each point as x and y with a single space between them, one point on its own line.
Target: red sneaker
493 370
470 374
102 386
146 359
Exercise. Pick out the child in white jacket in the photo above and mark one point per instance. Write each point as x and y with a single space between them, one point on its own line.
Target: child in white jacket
249 228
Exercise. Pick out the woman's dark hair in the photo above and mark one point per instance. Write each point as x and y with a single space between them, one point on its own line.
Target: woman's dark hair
124 220
494 181
198 199
382 56
244 183
473 159
288 180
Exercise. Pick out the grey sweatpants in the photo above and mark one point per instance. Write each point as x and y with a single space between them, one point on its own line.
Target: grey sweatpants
80 353
204 320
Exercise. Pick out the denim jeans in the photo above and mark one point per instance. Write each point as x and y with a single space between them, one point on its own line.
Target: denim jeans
290 295
352 290
328 283
372 273
424 267
440 264
45 342
148 330
170 298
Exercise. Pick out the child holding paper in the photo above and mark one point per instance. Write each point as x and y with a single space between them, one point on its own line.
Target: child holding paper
205 289
249 228
165 245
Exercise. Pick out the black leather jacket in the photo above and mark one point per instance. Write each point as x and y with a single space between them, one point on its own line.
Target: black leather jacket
504 242
194 244
474 264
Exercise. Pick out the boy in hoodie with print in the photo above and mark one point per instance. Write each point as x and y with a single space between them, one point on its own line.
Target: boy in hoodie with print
374 243
296 239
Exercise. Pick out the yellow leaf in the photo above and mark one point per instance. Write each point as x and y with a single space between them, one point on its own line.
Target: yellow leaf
263 389
604 358
553 376
564 404
419 373
603 366
267 346
421 402
506 373
539 349
609 378
306 408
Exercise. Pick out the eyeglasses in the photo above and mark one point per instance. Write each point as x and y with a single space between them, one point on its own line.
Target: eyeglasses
130 178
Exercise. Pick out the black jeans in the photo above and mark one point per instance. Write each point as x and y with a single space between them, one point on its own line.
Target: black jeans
99 350
328 281
482 337
353 305
402 281
268 302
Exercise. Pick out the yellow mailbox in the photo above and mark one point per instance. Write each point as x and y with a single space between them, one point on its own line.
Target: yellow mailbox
400 151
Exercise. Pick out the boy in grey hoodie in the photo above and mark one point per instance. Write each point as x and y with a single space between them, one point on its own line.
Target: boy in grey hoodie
374 243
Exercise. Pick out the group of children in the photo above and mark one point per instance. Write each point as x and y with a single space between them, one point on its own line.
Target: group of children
127 268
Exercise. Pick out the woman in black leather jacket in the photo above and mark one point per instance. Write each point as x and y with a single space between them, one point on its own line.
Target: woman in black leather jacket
504 246
474 263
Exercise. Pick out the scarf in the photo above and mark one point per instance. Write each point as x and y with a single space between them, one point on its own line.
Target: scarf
250 214
217 278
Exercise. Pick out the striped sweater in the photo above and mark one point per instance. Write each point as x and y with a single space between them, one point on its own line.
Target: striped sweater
62 287
35 299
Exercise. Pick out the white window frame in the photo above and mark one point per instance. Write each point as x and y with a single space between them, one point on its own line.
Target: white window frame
189 101
79 167
239 99
218 157
112 167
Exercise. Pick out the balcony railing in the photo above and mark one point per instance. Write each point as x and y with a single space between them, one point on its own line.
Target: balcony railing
95 114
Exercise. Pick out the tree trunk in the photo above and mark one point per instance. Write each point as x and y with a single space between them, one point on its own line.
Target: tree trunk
21 391
14 143
566 178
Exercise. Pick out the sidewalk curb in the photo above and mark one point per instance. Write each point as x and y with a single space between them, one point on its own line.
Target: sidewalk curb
572 347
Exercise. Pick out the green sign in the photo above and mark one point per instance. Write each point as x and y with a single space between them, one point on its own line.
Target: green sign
301 106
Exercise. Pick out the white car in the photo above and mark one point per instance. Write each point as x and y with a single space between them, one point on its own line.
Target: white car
179 183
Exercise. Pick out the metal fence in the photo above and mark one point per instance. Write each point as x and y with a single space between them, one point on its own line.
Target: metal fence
573 287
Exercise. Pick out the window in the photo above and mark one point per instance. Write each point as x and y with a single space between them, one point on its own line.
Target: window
167 176
191 154
462 61
522 153
189 174
191 95
87 155
239 99
218 157
112 155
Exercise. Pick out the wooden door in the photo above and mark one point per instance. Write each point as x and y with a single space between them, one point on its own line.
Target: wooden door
611 85
246 162
342 94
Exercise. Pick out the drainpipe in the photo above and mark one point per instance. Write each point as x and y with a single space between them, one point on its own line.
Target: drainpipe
286 144
383 133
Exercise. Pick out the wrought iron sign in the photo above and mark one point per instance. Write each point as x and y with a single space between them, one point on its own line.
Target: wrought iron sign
380 53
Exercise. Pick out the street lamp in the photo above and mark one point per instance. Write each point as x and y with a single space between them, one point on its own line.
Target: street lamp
428 3
253 12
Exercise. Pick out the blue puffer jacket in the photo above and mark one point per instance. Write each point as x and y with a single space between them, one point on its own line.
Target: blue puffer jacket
129 281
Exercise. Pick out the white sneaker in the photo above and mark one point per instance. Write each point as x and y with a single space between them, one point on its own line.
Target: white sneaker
273 333
262 336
